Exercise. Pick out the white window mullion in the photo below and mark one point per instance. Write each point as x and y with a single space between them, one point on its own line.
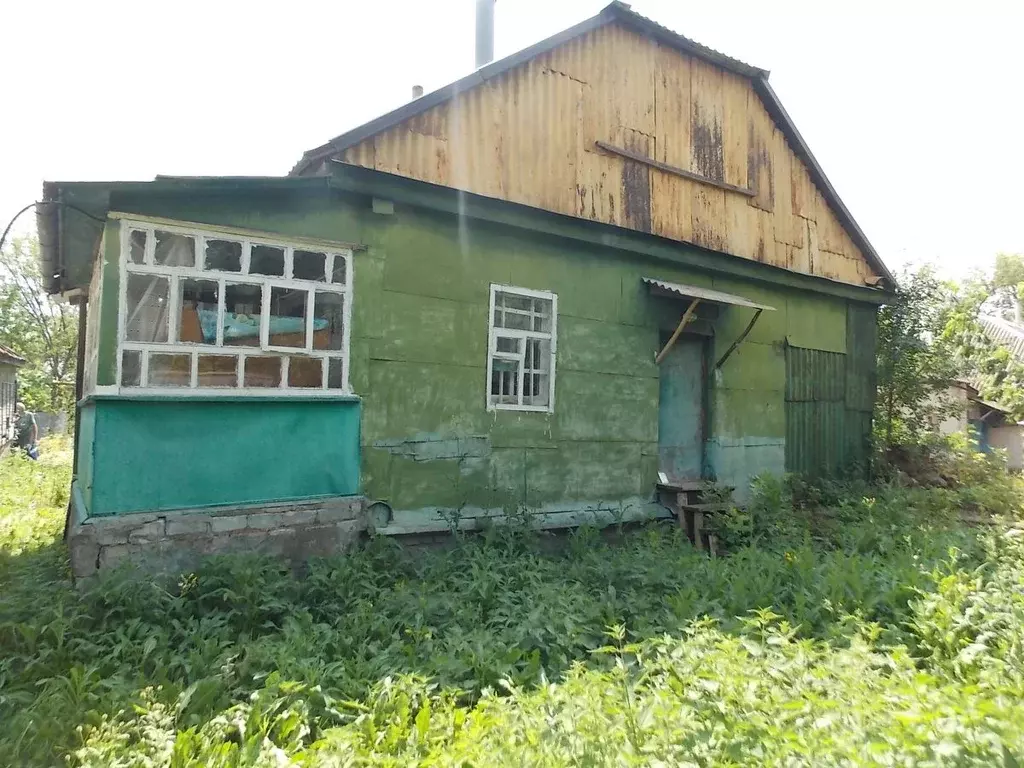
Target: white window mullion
265 316
329 268
150 254
221 298
193 381
174 309
310 295
246 256
289 262
285 361
144 368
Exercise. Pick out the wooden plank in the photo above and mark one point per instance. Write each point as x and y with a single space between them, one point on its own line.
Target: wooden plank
636 181
801 190
672 206
672 108
760 158
735 136
707 153
813 255
645 158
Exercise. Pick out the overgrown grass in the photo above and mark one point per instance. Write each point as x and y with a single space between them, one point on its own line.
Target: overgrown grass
857 625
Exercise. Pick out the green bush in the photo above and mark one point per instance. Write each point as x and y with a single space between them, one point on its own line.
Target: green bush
865 625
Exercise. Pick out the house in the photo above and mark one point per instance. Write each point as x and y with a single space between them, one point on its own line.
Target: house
9 365
990 424
604 263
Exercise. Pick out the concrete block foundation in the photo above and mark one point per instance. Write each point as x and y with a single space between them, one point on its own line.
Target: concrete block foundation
173 542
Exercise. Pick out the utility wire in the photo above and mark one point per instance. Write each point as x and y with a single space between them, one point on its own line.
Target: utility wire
3 238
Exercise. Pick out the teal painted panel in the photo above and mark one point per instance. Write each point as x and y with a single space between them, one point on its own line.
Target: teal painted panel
84 449
681 411
177 454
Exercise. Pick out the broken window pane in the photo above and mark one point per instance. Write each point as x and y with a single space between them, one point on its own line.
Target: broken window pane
224 255
305 372
262 372
146 308
339 273
198 323
131 368
174 250
335 373
288 317
266 260
505 381
243 308
218 371
166 370
137 246
329 321
309 265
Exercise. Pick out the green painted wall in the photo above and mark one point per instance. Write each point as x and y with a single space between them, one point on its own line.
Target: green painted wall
419 336
147 455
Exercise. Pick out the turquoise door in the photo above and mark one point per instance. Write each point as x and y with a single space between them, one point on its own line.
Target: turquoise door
681 411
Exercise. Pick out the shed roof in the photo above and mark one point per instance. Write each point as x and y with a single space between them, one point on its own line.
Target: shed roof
704 294
9 356
1005 334
621 13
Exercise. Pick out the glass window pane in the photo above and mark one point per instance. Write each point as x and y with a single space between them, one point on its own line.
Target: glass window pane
309 265
262 372
224 255
137 246
167 370
243 308
339 274
288 317
329 321
173 250
512 320
131 368
503 344
146 308
266 260
218 371
335 373
198 323
305 372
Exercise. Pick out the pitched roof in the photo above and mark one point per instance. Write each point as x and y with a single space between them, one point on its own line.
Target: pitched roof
616 12
1005 334
8 355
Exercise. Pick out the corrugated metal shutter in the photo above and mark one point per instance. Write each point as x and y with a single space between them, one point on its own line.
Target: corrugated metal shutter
829 401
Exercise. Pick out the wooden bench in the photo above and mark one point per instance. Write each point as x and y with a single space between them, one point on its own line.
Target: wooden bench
685 499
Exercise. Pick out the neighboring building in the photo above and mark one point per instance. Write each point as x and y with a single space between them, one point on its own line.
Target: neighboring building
9 365
606 257
990 424
1004 333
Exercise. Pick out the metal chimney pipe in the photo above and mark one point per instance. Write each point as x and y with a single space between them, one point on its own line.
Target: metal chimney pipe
484 32
417 91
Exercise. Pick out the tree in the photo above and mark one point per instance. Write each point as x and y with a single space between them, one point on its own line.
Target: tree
914 367
1008 283
40 329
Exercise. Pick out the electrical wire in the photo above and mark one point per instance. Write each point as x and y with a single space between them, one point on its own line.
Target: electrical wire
7 229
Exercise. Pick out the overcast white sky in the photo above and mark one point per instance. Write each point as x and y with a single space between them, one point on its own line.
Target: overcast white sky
914 109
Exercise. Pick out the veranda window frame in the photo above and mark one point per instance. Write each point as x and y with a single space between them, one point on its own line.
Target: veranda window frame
248 239
494 333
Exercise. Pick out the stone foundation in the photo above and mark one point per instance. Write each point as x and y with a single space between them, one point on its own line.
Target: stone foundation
175 542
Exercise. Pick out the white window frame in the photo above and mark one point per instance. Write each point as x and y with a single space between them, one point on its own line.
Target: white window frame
494 333
200 233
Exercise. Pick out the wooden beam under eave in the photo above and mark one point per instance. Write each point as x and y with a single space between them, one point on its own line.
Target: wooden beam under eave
675 334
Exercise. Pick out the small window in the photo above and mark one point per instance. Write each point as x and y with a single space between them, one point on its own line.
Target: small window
521 349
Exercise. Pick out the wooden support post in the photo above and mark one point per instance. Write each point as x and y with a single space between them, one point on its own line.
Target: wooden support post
698 530
675 334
